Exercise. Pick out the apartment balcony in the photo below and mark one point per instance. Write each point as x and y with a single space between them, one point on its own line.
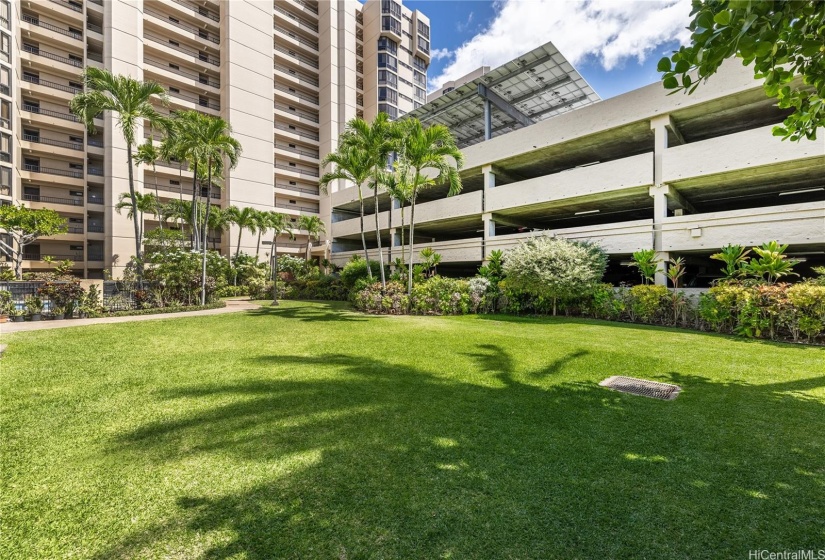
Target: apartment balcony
52 176
287 37
62 10
33 26
289 20
95 200
95 6
202 14
161 44
620 238
44 59
795 224
292 96
298 153
95 232
292 132
55 119
290 113
180 76
95 174
177 28
297 191
287 171
181 100
291 56
286 75
61 204
50 146
600 181
47 88
95 146
740 153
297 209
308 9
34 261
95 32
175 191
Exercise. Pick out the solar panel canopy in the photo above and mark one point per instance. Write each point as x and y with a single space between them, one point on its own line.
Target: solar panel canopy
539 84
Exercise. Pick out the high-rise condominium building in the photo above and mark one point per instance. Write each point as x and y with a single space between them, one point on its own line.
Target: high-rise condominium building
286 74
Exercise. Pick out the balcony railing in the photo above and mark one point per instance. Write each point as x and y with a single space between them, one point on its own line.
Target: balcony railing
74 6
49 113
92 199
98 2
287 147
300 76
95 256
298 131
297 112
299 170
51 56
196 100
94 27
205 80
198 10
74 229
77 257
298 56
300 22
309 209
94 229
95 171
302 40
94 142
182 190
50 142
97 57
297 189
52 171
291 91
54 85
36 21
54 200
194 53
185 26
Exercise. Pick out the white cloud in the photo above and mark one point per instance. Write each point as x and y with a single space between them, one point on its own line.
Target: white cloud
435 54
609 30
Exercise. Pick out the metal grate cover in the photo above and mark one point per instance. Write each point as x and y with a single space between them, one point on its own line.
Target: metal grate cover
642 387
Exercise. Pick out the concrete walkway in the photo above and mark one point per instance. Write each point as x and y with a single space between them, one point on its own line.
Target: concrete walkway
232 306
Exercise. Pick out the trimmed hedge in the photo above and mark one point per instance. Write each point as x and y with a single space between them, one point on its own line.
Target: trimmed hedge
161 310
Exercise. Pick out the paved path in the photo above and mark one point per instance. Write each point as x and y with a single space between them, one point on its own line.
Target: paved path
232 306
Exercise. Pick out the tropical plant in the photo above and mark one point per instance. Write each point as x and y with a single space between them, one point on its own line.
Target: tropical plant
24 226
143 202
735 258
314 226
33 305
430 260
782 40
427 157
131 100
399 191
555 268
349 164
771 262
148 154
261 219
244 218
279 224
646 262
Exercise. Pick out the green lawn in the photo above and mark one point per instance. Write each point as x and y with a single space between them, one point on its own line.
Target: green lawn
310 431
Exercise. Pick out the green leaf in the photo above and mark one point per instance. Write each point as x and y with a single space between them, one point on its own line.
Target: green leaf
682 66
722 18
664 65
779 131
670 82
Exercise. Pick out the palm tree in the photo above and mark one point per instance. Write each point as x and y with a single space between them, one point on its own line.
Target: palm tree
170 150
378 141
353 165
279 224
148 153
244 218
425 155
131 100
261 224
142 202
400 191
184 135
314 226
219 221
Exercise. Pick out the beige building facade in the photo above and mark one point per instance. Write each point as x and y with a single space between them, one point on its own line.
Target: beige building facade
286 74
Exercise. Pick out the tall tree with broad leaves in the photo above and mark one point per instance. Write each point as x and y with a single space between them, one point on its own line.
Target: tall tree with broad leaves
354 165
428 157
131 101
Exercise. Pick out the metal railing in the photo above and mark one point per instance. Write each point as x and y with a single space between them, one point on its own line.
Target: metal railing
49 112
302 40
195 100
40 256
297 112
94 142
51 56
300 22
97 57
300 76
53 171
98 2
95 171
299 208
291 91
186 191
307 5
70 5
53 200
299 170
199 56
298 189
95 257
205 80
287 147
94 27
54 85
292 54
94 229
74 229
198 10
50 142
186 27
36 21
92 199
300 132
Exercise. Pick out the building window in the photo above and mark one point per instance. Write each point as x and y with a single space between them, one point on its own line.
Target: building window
389 23
5 47
419 64
5 80
387 44
420 79
387 61
5 147
423 29
421 94
388 109
387 78
5 13
391 7
387 94
5 180
423 45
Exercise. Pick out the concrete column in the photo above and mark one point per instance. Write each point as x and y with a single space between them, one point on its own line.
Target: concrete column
489 178
659 127
488 120
489 232
395 237
659 195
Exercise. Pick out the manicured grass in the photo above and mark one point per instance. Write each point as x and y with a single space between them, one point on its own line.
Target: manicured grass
308 431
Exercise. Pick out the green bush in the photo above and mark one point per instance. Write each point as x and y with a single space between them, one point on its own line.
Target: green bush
390 301
324 287
604 303
356 269
440 296
232 291
647 303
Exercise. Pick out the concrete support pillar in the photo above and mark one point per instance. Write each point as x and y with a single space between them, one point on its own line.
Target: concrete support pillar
489 232
395 237
659 195
489 180
488 120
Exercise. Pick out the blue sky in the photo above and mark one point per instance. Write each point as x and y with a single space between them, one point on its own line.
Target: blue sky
615 44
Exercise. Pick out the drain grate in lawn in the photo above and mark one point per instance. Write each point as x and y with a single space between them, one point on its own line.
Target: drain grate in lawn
642 387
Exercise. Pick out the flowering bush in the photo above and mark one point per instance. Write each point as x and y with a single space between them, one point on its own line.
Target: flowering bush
390 301
176 277
441 296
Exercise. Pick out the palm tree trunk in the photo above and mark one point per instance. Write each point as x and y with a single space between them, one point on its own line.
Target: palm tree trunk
412 240
378 233
135 217
238 248
206 232
364 239
157 197
258 247
275 268
392 237
195 203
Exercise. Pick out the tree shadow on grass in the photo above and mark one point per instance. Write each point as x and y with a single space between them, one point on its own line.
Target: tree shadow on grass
312 313
391 461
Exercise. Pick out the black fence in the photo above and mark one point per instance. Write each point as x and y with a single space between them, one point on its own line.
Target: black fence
21 290
119 296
